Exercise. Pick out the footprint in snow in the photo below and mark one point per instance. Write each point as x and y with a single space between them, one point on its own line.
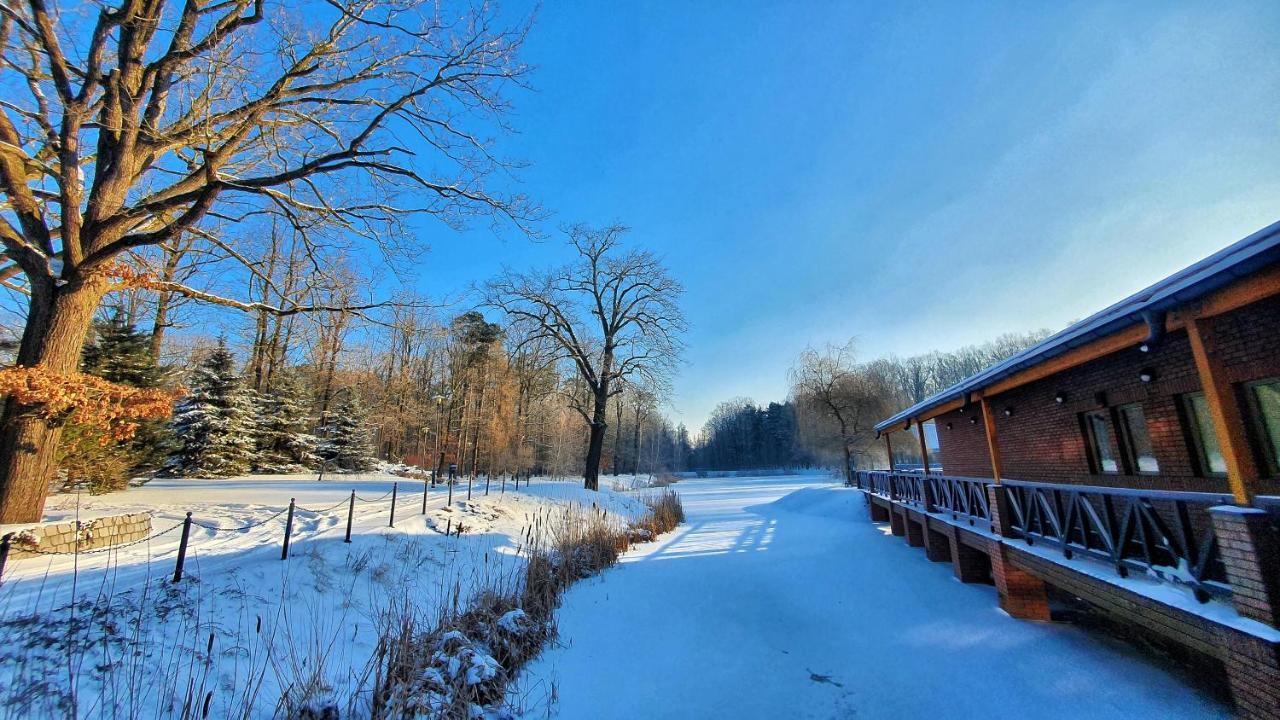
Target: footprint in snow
815 677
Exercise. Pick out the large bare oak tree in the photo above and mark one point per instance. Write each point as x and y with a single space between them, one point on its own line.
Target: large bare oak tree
130 125
614 314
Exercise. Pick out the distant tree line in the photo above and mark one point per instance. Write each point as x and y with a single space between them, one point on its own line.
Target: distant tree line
741 435
835 402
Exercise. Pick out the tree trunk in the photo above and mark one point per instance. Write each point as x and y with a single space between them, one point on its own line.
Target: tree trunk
58 321
595 443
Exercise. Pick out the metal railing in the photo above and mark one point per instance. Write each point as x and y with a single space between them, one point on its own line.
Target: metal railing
1165 533
959 497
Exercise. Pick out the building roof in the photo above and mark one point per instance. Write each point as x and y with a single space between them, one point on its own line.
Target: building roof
1240 259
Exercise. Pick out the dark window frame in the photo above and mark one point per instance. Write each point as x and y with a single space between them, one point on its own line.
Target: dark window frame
1268 453
1124 438
1191 431
1094 447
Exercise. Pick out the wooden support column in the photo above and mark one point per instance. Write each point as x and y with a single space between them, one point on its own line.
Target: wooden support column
997 497
888 446
1224 408
993 443
924 450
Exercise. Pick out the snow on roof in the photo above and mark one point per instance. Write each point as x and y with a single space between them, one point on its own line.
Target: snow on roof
1238 260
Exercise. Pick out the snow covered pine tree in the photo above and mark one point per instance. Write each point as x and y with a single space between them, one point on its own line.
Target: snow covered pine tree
214 424
284 445
346 445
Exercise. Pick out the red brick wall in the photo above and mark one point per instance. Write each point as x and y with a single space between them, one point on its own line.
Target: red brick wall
1043 440
963 443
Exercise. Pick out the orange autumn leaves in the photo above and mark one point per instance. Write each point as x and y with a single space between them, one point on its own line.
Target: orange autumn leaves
88 399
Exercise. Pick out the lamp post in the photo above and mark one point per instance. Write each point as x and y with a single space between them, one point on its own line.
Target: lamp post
439 454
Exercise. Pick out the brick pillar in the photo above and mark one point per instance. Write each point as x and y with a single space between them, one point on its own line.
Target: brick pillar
915 531
1253 672
936 545
1249 545
998 500
878 512
970 564
897 523
1022 594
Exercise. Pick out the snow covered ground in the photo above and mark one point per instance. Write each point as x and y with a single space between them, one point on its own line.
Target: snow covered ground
244 626
779 598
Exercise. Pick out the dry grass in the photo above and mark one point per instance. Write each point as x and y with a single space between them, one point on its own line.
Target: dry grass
465 662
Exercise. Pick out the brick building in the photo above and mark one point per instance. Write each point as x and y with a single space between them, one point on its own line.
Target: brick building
1136 451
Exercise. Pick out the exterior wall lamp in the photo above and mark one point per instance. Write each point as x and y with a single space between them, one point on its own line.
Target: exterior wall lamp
1060 397
1008 412
1147 374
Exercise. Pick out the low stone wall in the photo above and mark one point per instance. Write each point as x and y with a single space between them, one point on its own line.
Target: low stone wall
67 537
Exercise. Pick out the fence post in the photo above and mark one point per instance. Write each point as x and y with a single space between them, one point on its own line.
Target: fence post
470 478
182 548
504 485
351 511
449 482
288 530
391 521
4 552
425 490
487 477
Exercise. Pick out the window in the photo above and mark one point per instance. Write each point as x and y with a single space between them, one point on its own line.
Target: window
1203 437
1099 436
1264 399
1139 455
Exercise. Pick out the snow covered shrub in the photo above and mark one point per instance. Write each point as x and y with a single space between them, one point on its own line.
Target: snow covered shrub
462 666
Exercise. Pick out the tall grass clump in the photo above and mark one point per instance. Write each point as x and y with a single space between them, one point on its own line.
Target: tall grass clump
462 664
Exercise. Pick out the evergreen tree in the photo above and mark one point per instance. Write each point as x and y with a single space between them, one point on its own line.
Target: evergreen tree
119 353
346 445
214 424
284 445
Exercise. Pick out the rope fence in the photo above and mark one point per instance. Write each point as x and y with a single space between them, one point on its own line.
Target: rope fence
7 542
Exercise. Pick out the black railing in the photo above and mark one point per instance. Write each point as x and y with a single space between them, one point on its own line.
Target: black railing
1167 534
960 497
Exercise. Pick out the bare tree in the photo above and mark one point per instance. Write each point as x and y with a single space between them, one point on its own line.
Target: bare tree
832 386
124 129
614 314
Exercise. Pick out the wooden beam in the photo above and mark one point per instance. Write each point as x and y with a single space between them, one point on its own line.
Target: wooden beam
924 449
941 409
1127 338
889 448
1224 408
1251 289
993 443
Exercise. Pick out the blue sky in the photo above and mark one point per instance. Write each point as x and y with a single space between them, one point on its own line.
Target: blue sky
912 175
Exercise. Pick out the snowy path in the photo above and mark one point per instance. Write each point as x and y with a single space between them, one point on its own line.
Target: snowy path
779 598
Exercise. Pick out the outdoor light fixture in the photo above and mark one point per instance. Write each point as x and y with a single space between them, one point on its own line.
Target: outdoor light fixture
1147 374
1100 399
973 421
1060 397
948 426
1008 412
1144 347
